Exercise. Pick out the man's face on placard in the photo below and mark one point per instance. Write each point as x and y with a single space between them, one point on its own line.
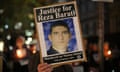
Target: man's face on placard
59 37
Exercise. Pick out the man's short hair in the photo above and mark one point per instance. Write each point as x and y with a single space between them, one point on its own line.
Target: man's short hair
59 23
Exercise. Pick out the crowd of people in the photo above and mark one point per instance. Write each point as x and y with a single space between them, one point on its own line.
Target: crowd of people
27 58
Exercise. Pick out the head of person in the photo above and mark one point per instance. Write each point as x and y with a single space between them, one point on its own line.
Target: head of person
20 41
59 35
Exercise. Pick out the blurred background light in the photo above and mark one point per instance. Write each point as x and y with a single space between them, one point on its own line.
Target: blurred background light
109 52
21 53
10 47
8 37
28 32
32 24
18 25
6 26
30 16
28 41
1 46
1 29
1 11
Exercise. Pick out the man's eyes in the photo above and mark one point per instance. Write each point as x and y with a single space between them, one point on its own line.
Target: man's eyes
65 32
55 33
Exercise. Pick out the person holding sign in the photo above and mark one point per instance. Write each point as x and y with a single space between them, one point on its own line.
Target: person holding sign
59 37
47 68
35 65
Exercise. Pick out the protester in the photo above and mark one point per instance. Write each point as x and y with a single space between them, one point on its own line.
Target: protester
20 55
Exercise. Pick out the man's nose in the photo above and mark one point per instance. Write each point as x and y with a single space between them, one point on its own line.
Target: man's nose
61 36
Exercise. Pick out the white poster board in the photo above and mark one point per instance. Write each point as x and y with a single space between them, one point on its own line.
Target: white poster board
53 41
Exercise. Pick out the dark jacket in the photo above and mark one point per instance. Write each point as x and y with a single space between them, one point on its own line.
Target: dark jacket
53 51
35 60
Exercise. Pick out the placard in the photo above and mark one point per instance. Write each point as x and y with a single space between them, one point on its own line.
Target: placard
59 33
